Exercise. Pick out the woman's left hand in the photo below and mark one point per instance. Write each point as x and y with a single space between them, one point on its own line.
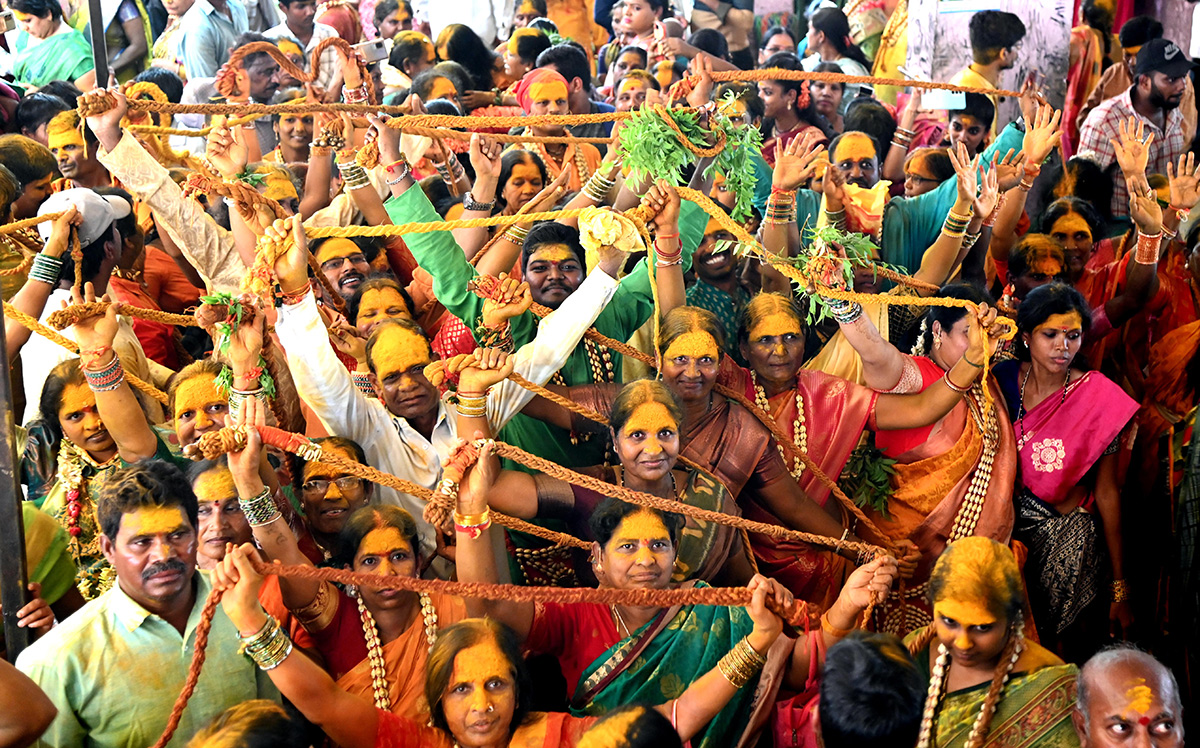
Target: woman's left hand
1143 205
870 583
1120 619
989 190
98 331
967 169
767 625
980 344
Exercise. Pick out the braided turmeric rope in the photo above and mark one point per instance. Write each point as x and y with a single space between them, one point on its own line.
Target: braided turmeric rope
226 77
800 615
245 195
216 443
25 223
64 318
22 318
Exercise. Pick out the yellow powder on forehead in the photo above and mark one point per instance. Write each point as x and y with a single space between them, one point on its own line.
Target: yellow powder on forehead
552 90
76 398
1065 322
480 663
519 34
966 612
612 732
918 164
383 541
335 248
215 485
154 520
1140 697
713 225
854 146
1071 224
1045 266
63 137
552 253
630 82
651 418
695 344
278 186
196 393
642 526
398 349
442 88
775 324
526 8
383 298
975 572
289 48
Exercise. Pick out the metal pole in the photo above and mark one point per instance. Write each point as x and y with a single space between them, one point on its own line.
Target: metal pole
99 48
13 592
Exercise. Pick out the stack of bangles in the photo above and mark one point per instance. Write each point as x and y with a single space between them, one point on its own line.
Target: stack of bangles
354 177
355 95
268 647
397 171
667 258
260 510
451 171
472 404
107 377
836 218
291 298
844 312
516 234
495 337
45 269
598 186
903 137
1147 248
362 382
741 664
1031 173
473 525
1120 590
238 397
781 207
956 224
950 383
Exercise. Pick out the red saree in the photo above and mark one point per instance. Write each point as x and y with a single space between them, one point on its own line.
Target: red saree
540 730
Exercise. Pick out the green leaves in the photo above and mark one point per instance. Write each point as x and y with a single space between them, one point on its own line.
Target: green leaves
649 147
866 479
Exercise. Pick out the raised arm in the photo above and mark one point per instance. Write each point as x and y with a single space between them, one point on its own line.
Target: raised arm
504 253
31 298
794 166
484 154
893 164
939 260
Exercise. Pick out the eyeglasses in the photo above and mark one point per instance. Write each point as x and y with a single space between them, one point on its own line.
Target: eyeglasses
337 262
919 179
320 486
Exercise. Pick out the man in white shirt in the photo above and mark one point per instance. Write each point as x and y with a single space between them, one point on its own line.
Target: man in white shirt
408 431
206 34
299 25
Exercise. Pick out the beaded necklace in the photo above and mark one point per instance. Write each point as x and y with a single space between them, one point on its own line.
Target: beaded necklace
72 461
379 685
572 150
937 684
972 506
799 430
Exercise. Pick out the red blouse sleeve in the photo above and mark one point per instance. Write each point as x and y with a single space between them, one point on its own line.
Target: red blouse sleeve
400 732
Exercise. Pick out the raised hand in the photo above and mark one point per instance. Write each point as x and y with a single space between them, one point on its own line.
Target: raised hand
387 137
664 199
480 370
767 625
1132 147
225 152
1042 135
246 340
834 189
983 335
702 87
797 163
1185 182
1031 98
346 338
870 582
236 578
512 299
550 194
989 190
1010 170
291 267
967 169
107 126
244 463
476 481
1143 205
97 332
60 231
485 155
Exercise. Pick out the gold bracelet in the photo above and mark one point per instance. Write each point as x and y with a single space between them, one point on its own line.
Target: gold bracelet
832 630
1120 590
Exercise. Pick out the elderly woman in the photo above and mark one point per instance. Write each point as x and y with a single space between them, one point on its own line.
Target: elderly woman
47 49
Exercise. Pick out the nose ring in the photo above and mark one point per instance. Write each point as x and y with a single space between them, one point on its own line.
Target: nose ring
490 708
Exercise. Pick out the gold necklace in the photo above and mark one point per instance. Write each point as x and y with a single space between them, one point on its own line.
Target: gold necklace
799 430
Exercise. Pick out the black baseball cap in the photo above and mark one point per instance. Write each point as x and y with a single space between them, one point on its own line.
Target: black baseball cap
1162 56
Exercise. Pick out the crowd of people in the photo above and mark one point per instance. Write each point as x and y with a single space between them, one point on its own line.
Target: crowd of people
934 371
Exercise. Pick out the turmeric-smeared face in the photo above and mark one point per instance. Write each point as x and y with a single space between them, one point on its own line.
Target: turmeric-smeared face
387 552
199 407
525 15
524 182
154 554
344 264
329 495
220 519
631 94
295 129
1072 231
974 635
553 272
482 695
398 360
1130 702
640 553
379 304
857 160
68 149
775 348
442 88
1054 343
40 27
80 422
690 364
648 444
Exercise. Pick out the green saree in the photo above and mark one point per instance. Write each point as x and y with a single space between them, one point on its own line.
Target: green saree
658 662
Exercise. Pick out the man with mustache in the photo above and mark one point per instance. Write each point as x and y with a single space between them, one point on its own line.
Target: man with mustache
718 287
344 263
1159 81
143 629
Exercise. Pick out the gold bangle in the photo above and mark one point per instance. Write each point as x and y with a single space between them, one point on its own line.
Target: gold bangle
832 630
1120 590
473 520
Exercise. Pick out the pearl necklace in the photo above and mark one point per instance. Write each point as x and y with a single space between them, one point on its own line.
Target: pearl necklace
937 683
799 430
379 685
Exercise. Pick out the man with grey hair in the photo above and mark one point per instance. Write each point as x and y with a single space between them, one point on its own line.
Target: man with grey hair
1126 697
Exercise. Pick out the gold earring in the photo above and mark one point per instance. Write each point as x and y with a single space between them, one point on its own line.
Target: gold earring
937 339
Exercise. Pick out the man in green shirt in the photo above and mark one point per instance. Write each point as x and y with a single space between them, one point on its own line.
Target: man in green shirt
115 668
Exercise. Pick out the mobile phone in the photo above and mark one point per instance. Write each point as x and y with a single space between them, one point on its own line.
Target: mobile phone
372 51
7 21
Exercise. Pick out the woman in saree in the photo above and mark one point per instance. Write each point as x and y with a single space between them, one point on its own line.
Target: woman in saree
373 642
476 683
47 48
1068 508
789 109
707 550
642 654
989 685
825 416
